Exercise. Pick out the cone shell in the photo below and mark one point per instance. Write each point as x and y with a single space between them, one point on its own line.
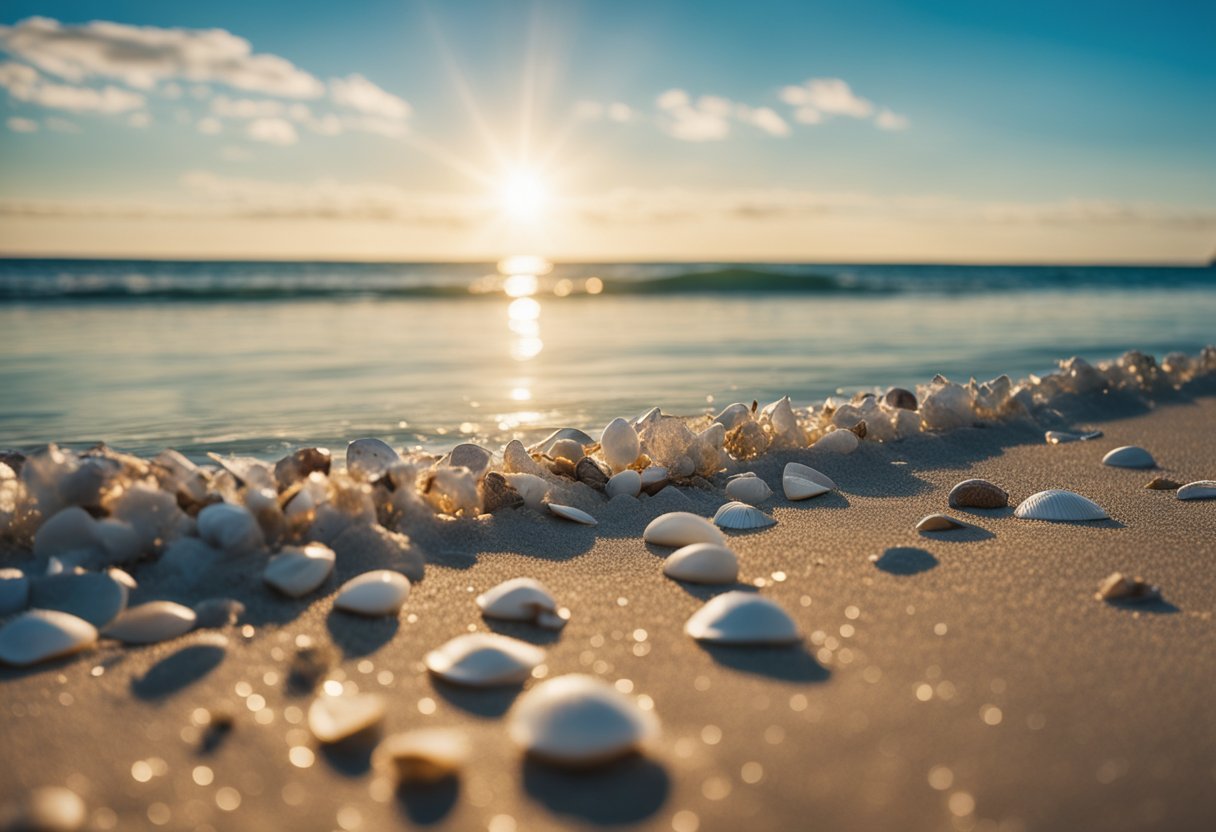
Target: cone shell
702 563
379 592
978 494
483 659
1059 506
741 517
742 618
42 635
680 528
1129 456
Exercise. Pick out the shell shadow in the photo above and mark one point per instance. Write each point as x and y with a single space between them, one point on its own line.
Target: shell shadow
832 500
625 791
1003 511
487 702
352 756
967 534
1157 606
356 635
704 592
524 631
792 663
177 671
428 803
905 560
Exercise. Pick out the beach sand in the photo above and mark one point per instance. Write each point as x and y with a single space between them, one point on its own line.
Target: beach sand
976 684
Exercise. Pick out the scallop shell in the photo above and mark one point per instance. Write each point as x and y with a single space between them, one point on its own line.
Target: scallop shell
680 528
335 718
1129 456
626 482
578 720
741 516
838 441
742 618
572 513
151 622
748 490
379 592
620 445
1059 506
370 458
41 635
1201 490
483 659
978 494
939 523
519 599
14 591
702 563
424 755
97 597
230 528
297 571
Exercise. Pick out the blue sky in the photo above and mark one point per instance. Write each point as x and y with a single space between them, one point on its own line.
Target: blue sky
940 131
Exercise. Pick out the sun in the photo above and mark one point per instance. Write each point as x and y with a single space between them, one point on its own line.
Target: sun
523 195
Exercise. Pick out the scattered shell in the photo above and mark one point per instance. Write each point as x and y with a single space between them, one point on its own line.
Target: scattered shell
1059 506
298 570
497 493
14 591
545 446
751 490
519 599
369 459
588 471
806 472
899 398
939 523
978 494
424 755
217 613
230 528
741 516
41 635
483 659
1119 587
379 592
619 444
579 720
572 513
627 482
474 457
1129 456
1059 437
151 622
702 563
97 597
335 718
1163 484
742 618
654 478
838 441
1201 490
681 528
46 809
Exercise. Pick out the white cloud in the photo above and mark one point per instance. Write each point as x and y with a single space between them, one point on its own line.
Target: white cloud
888 120
61 125
709 118
820 98
226 107
765 118
210 126
357 93
273 131
22 125
25 84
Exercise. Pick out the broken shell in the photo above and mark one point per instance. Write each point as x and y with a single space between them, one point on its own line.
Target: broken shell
838 441
899 398
702 563
748 490
424 755
532 489
96 597
681 528
151 622
497 493
620 445
1119 587
483 659
1059 506
1201 490
369 459
14 591
741 516
627 482
579 720
335 718
41 635
588 471
297 571
742 618
1129 456
379 592
978 494
1162 484
572 513
519 599
939 523
230 528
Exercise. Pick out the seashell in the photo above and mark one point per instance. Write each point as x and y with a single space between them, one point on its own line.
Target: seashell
648 418
474 457
742 618
96 597
452 490
497 493
1059 506
532 489
1129 456
572 513
702 563
589 472
626 482
746 441
748 490
151 622
899 398
484 659
519 599
654 478
545 446
335 718
1119 587
838 441
230 528
216 613
1059 437
734 415
781 418
369 459
298 570
14 591
797 488
298 466
567 449
379 592
579 720
246 469
517 460
741 516
939 523
1162 484
806 472
424 755
620 444
46 809
69 530
681 528
978 494
42 635
1201 490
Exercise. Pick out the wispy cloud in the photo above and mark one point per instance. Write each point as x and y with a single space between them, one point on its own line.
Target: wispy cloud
710 117
22 125
25 84
818 99
273 131
357 93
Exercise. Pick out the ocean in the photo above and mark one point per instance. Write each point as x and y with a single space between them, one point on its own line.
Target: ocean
257 358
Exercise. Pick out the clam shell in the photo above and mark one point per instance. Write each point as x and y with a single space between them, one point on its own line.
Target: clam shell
620 445
531 488
379 592
653 478
806 472
424 755
900 399
748 490
579 720
370 458
572 513
482 659
1162 484
978 494
1129 456
838 441
335 718
474 457
680 528
1059 506
14 591
41 635
567 449
1201 490
626 482
297 571
151 622
519 599
939 523
702 563
545 446
742 618
741 516
96 597
230 528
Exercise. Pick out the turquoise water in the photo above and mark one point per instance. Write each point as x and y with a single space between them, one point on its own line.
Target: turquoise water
256 358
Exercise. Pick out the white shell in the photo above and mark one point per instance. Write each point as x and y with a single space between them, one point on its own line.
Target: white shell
230 528
484 659
1060 506
1129 456
66 531
680 528
97 597
545 445
742 618
424 755
806 472
41 635
627 482
572 513
567 449
531 488
1059 437
619 444
702 563
748 490
14 591
1201 490
838 441
579 720
653 477
151 622
370 458
379 592
474 457
740 516
519 599
734 415
334 718
297 571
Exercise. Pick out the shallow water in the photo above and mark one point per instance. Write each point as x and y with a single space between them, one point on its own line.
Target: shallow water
227 373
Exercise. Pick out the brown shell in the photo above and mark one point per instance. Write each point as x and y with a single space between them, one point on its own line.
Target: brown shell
297 466
1163 484
978 494
900 398
497 493
1119 587
588 471
939 523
